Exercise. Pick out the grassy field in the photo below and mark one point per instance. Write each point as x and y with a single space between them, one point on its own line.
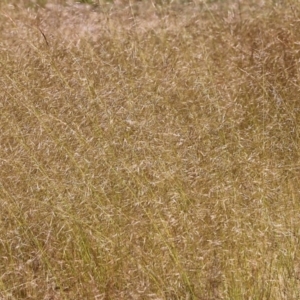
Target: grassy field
149 150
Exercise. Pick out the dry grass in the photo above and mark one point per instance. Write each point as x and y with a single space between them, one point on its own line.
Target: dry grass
149 150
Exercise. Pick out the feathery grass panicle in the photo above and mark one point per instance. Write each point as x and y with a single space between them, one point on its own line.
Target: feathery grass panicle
149 150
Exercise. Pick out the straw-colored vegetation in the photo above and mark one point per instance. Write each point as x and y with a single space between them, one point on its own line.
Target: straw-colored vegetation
149 150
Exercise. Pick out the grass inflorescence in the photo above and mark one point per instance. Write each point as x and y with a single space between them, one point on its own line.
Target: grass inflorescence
149 150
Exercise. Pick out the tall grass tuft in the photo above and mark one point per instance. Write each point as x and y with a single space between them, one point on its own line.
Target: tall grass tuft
149 150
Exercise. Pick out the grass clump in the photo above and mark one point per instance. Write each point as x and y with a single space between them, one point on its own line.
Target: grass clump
149 150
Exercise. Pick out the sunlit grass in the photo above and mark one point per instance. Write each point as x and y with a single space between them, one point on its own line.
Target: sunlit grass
149 150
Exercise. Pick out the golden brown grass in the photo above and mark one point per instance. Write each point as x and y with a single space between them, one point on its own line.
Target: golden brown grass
149 150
